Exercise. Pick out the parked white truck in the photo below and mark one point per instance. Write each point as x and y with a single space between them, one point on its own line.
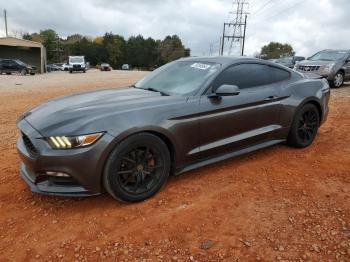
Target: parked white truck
77 63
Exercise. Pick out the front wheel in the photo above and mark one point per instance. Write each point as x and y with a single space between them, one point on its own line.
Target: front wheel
338 80
304 127
23 72
137 168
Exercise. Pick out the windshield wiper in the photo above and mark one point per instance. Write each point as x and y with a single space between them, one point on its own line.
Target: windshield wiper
156 90
151 89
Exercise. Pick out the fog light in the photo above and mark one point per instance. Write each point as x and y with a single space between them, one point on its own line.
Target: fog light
57 174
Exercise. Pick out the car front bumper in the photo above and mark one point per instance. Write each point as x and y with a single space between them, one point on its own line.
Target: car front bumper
84 166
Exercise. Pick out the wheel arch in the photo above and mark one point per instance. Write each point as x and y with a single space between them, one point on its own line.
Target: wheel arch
314 101
154 131
341 70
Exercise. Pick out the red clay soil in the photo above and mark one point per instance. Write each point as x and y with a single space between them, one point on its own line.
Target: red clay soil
277 204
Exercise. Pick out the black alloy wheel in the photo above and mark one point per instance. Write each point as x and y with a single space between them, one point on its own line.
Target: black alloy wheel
137 168
304 127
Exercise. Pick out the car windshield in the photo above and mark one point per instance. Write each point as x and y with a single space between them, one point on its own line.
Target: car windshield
178 78
328 56
76 60
285 60
20 62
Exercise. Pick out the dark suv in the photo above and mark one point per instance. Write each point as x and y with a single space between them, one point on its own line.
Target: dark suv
334 65
10 66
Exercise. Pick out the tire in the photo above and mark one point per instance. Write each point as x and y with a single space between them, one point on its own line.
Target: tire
70 71
137 168
23 72
8 73
304 127
338 80
84 71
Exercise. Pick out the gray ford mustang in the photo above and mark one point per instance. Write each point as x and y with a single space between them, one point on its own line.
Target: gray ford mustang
186 114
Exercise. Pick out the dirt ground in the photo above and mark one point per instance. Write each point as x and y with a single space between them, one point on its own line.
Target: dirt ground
277 204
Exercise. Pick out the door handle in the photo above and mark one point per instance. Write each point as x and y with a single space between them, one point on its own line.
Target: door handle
271 98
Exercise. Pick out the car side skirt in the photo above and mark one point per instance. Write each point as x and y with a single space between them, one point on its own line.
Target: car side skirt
243 151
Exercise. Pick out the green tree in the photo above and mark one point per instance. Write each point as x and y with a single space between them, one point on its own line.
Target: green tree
114 46
50 40
276 50
171 48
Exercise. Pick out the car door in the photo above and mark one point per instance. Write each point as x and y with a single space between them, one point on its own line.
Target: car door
347 69
14 67
231 123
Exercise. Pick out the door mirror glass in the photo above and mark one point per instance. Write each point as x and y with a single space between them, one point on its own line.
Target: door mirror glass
226 90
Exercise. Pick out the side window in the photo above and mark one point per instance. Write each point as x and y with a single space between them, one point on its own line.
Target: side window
250 75
245 76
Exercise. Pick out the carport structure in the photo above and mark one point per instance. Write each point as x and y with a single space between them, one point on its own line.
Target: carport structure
32 53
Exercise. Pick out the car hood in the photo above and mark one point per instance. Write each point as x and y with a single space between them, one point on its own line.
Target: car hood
315 63
70 114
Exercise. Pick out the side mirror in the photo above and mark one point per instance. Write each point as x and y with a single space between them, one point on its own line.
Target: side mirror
226 90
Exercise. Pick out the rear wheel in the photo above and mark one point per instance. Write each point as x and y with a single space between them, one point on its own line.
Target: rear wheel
304 127
137 168
338 80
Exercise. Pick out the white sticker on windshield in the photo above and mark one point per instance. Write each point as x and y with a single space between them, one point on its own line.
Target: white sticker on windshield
201 66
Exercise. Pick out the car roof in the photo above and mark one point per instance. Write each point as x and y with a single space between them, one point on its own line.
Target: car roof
229 60
335 50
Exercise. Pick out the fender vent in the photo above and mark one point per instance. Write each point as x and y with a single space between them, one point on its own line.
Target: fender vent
29 145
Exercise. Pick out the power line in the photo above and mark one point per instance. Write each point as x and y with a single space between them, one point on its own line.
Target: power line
263 6
282 11
287 9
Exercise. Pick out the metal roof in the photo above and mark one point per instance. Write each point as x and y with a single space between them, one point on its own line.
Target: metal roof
12 41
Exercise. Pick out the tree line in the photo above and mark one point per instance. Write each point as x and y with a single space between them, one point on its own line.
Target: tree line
275 50
137 51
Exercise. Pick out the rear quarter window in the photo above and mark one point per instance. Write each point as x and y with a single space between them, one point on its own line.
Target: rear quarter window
278 75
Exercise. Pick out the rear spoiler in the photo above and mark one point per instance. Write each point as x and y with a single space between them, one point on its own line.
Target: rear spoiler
312 76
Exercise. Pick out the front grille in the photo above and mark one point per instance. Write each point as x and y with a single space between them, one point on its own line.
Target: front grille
76 66
309 68
29 145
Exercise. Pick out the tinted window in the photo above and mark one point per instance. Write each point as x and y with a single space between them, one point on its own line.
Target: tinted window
250 75
278 75
5 62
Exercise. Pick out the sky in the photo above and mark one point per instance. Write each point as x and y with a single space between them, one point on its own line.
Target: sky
308 25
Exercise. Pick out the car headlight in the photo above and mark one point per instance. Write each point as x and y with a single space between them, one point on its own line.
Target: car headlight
68 142
328 68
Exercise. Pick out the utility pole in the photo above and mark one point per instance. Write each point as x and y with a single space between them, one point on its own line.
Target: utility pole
235 30
245 28
5 22
211 49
